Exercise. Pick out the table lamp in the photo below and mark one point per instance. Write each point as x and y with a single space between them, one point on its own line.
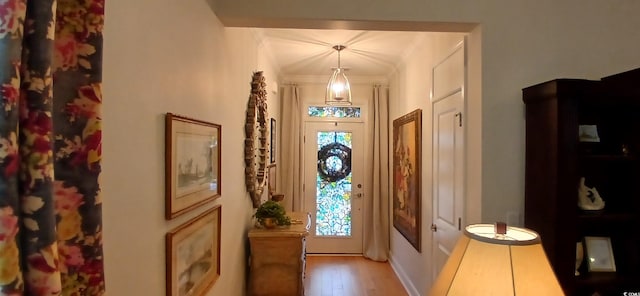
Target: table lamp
497 260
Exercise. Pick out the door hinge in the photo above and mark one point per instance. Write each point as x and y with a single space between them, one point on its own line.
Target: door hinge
459 223
459 116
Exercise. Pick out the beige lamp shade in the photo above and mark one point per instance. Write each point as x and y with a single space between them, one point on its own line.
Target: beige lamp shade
484 263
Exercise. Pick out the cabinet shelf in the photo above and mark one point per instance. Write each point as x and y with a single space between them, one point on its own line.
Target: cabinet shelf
600 278
606 216
608 158
607 224
607 283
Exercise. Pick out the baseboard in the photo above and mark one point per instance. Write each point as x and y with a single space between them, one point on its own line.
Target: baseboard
404 279
333 255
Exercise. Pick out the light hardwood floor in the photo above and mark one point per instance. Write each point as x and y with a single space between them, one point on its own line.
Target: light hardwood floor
350 276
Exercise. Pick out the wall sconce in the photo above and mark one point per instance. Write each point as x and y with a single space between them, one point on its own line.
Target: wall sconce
338 88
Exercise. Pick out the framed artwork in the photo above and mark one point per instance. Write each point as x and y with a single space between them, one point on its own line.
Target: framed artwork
599 253
192 163
272 179
407 150
193 254
273 130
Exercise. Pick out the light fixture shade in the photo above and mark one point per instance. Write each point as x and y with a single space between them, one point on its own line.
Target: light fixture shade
338 89
483 263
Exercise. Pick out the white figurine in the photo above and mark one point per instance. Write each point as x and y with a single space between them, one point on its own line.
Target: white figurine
579 256
588 198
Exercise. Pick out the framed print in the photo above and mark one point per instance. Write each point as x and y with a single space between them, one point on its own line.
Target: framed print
192 163
599 253
272 151
407 150
272 179
193 254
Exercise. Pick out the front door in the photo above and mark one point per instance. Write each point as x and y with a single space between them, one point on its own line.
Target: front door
333 186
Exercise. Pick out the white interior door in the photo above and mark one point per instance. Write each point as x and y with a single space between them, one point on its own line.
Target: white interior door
333 186
448 156
448 174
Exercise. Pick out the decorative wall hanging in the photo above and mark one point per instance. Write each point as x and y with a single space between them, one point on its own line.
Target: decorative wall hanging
334 162
193 255
407 160
255 143
192 163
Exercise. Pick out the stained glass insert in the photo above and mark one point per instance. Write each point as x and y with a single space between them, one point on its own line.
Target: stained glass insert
334 112
333 198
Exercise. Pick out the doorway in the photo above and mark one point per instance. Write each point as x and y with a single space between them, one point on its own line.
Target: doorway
333 186
448 161
408 91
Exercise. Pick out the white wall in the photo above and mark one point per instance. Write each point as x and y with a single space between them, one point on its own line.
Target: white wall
410 89
265 64
170 57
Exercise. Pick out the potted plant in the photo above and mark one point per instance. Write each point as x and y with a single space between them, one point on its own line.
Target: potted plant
271 213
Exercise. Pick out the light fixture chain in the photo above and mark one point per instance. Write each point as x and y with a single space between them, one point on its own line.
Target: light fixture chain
339 48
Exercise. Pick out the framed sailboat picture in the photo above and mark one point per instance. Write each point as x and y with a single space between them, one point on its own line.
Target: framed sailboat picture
192 163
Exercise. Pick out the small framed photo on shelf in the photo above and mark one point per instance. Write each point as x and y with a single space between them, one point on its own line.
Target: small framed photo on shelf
588 133
599 254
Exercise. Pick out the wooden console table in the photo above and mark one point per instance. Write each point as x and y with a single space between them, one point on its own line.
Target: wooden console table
277 259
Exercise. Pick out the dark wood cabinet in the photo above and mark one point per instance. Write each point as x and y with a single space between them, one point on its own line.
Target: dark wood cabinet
556 160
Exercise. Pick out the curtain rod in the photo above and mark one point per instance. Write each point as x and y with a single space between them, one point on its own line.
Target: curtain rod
295 84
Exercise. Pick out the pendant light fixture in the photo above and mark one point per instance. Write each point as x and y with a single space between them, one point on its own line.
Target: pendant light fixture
338 88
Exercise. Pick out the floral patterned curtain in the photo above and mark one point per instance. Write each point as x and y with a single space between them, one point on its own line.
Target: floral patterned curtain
50 121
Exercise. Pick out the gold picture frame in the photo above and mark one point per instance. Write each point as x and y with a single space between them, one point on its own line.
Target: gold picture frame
272 149
192 163
599 254
272 179
407 160
193 254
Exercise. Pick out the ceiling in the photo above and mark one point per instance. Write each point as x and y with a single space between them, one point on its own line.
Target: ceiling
310 51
